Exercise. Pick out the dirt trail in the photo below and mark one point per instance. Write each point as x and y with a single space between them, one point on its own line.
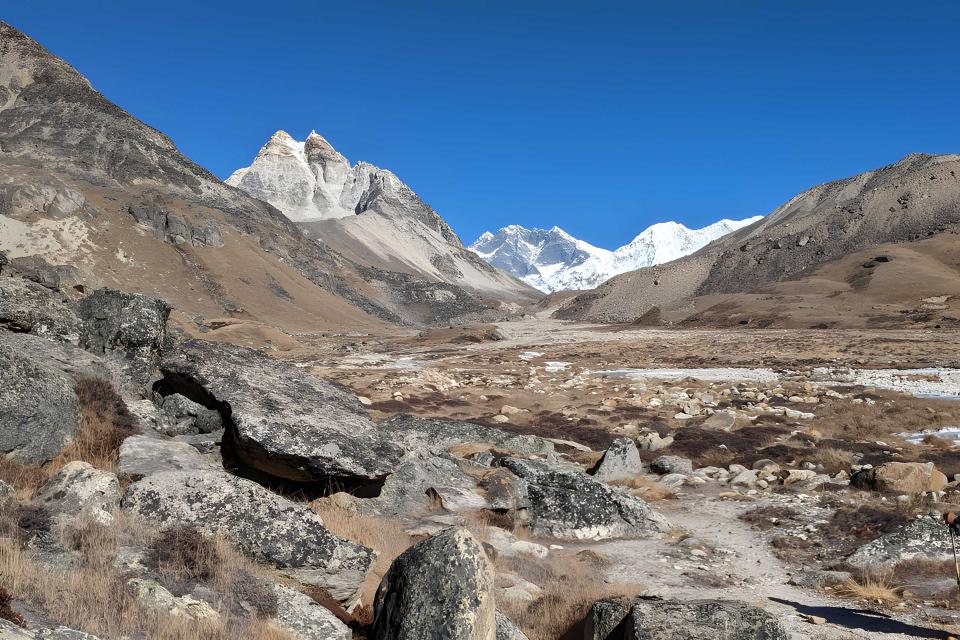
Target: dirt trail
760 578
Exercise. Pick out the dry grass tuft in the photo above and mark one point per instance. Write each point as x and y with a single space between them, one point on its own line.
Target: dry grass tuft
7 612
873 587
92 596
185 554
649 490
570 588
832 459
388 538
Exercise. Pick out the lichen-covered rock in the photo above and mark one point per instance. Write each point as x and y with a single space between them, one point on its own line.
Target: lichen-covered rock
421 483
657 619
621 461
439 588
10 631
284 421
142 456
506 630
574 506
927 538
305 619
155 596
39 410
417 434
504 490
908 477
61 633
179 415
129 324
264 525
671 464
54 277
79 487
28 307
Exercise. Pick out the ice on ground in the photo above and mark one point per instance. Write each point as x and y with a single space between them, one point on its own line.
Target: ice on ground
530 355
554 366
946 433
931 382
720 374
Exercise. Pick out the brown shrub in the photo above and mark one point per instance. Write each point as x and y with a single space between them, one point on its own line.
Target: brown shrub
23 520
105 422
768 517
247 591
649 490
832 459
185 554
6 610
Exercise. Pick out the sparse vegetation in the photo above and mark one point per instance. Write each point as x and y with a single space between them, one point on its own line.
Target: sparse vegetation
870 586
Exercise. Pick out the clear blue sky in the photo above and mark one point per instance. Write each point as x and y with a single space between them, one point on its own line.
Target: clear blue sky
599 117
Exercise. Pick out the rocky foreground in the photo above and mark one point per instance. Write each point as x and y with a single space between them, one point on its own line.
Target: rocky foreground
160 486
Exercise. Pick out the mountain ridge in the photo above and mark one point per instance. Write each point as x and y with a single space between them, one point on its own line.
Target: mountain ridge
553 260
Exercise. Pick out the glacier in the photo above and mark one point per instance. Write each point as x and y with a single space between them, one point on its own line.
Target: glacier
553 260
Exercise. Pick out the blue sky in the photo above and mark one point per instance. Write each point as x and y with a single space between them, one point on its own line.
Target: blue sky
599 117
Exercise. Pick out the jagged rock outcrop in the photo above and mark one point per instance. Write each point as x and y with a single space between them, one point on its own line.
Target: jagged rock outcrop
128 324
283 421
172 228
55 277
925 538
439 588
621 461
178 415
506 630
658 619
266 526
28 307
420 434
574 506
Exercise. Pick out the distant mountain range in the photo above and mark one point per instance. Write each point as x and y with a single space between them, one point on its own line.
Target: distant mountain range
553 260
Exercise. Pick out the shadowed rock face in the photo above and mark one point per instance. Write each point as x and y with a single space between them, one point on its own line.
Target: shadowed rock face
656 619
270 528
439 588
284 422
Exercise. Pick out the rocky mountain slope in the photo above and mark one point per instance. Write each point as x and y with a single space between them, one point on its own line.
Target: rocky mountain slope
822 244
367 214
553 260
85 184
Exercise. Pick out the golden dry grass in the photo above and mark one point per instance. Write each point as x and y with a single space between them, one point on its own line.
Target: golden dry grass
833 460
874 587
92 596
649 490
388 538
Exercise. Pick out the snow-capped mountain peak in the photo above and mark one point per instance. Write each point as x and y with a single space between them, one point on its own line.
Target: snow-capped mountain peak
553 260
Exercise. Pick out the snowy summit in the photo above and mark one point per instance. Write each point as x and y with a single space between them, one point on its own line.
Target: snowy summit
553 260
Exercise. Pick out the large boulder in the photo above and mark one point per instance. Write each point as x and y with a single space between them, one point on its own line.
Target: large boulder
671 464
657 619
907 477
574 506
270 528
621 461
179 415
282 420
79 487
128 324
422 483
54 277
417 434
28 307
925 538
39 409
439 588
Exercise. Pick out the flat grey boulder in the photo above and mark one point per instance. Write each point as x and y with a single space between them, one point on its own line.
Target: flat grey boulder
39 410
927 538
305 619
421 484
621 461
130 325
657 619
142 456
267 527
417 434
574 506
442 587
28 307
284 422
506 630
79 487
